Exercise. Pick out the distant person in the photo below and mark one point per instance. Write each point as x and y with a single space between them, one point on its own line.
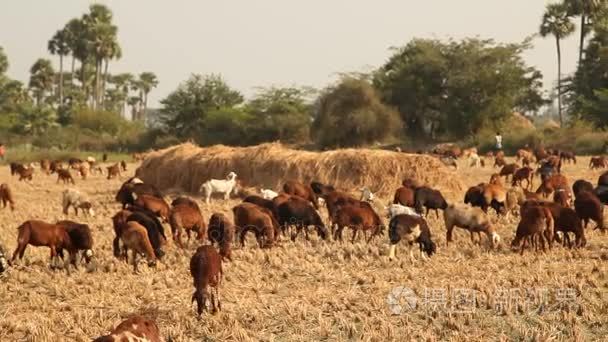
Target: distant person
2 151
498 138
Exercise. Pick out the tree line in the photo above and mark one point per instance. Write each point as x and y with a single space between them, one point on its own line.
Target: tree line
428 90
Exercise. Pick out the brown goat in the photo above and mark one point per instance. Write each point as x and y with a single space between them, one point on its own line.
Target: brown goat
301 190
119 222
524 173
123 165
188 218
83 170
588 207
113 171
45 166
358 217
135 238
565 221
599 162
39 233
251 217
154 204
26 174
536 227
563 197
206 271
65 176
404 196
6 196
552 183
499 161
135 328
221 231
508 170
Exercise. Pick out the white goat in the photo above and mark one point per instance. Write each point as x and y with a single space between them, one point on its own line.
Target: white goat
77 200
474 160
398 209
268 194
366 194
225 186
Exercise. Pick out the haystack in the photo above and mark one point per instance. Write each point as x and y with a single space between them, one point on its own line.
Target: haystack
187 166
519 121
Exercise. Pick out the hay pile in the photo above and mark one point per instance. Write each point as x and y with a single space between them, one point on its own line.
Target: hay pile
187 166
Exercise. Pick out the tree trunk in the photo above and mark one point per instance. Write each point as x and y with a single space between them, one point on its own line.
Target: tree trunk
60 80
145 110
104 81
83 77
559 82
72 73
96 86
582 38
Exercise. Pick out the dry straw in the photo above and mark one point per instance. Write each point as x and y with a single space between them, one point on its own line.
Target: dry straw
187 166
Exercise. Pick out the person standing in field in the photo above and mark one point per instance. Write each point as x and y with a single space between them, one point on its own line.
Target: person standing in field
498 139
2 151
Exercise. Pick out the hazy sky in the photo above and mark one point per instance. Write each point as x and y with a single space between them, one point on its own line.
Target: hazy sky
274 42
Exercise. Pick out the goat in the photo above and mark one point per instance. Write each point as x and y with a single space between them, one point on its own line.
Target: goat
39 233
6 196
470 218
268 194
186 217
536 226
412 229
135 238
133 329
77 200
65 176
225 186
206 271
398 209
221 231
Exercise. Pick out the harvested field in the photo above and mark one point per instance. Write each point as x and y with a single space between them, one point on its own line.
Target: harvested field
303 291
187 166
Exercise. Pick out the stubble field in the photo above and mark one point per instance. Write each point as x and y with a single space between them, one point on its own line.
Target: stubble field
307 290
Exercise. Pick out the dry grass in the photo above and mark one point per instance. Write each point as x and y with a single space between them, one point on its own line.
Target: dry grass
304 291
187 166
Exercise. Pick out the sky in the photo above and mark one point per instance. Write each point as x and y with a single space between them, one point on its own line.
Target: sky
275 42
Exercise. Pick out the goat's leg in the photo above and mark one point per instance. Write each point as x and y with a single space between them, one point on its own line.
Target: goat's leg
242 237
20 250
355 230
135 261
217 296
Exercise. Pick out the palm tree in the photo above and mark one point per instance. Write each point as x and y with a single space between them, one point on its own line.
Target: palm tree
72 31
3 61
122 83
42 77
102 35
586 9
59 45
112 50
557 23
147 81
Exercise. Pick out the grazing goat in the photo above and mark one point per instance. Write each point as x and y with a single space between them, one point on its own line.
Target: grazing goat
39 233
135 238
119 222
26 174
398 209
264 203
475 196
133 329
6 196
472 219
154 228
123 165
475 160
77 200
250 217
113 171
588 207
268 194
183 200
404 196
65 176
358 217
412 229
225 186
599 162
304 191
16 168
552 183
154 204
535 227
221 231
499 161
206 271
524 173
508 170
55 166
565 221
82 240
128 189
568 156
188 218
431 199
301 214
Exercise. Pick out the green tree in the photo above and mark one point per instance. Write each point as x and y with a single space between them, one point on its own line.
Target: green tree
42 77
280 114
352 114
3 62
556 23
35 120
58 45
451 90
185 110
122 84
587 10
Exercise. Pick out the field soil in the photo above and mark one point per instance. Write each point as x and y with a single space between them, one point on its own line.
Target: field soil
308 290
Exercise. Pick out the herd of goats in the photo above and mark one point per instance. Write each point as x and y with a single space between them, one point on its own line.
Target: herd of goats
554 212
